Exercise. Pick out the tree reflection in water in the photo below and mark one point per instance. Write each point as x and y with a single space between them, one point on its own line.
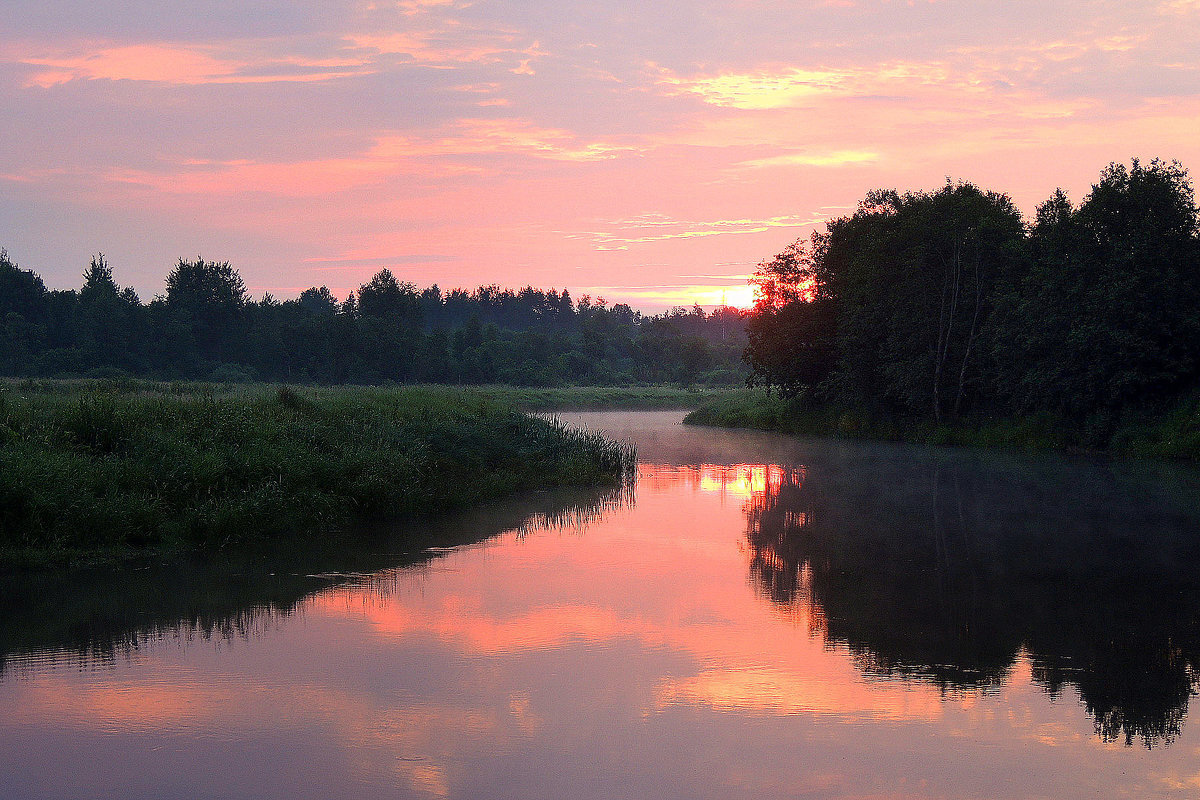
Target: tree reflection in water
90 616
947 570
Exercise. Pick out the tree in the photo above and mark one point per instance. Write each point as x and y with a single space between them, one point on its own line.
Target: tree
208 298
98 281
384 297
200 286
887 307
318 301
21 291
108 325
913 277
792 345
793 348
1108 316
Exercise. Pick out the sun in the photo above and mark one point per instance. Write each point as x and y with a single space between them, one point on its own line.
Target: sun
741 297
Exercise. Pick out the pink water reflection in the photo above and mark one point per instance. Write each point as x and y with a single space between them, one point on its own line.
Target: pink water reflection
631 655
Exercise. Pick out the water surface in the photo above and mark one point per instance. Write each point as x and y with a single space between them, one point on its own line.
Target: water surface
758 615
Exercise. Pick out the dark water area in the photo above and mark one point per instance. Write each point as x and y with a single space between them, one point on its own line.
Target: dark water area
758 614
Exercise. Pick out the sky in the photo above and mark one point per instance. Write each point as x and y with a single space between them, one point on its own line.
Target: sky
648 153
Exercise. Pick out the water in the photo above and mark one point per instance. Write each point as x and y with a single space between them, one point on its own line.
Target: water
758 616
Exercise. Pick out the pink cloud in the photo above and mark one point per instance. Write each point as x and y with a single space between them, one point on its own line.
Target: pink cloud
175 64
565 153
447 46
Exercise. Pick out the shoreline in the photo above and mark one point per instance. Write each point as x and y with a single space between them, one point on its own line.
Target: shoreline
101 472
1173 435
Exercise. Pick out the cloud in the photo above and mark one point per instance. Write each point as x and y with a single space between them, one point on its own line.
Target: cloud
445 126
177 64
424 46
658 227
505 135
737 294
451 44
788 87
761 90
273 60
442 153
836 158
414 7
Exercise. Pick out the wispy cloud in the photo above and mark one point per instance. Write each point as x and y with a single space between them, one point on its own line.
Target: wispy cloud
788 87
355 261
414 7
440 47
739 295
176 64
444 43
441 153
1180 6
836 158
644 228
504 135
756 91
539 133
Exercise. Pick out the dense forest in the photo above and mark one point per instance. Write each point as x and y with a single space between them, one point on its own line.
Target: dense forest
935 306
205 326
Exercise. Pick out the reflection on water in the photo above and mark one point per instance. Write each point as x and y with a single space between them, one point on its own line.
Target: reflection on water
763 616
92 615
947 569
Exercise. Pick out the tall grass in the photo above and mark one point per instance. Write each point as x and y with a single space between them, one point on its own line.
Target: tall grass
104 469
582 398
1173 434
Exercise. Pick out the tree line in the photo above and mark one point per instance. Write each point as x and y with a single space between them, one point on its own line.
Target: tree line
935 305
205 326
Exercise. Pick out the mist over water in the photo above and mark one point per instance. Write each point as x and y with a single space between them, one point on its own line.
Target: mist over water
757 614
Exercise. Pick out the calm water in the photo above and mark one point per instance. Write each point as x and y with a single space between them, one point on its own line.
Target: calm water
757 616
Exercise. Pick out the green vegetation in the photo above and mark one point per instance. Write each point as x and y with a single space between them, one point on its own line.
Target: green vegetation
1175 434
588 398
1172 435
206 327
112 469
801 415
943 317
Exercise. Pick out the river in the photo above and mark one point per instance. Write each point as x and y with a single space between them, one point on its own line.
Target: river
756 616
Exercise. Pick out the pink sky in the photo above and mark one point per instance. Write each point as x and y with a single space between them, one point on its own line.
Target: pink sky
651 155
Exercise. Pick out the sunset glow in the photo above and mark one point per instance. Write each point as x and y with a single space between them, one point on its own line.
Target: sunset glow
649 155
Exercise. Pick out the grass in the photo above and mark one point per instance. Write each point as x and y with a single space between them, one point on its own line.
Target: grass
1172 435
562 398
753 408
101 470
592 398
748 408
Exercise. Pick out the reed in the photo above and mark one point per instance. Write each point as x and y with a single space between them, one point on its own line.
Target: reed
93 470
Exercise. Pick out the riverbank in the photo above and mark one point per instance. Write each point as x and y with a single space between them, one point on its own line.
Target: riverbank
1172 435
588 398
96 471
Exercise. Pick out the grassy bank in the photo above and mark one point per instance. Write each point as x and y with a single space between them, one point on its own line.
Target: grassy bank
106 470
564 398
1174 434
587 398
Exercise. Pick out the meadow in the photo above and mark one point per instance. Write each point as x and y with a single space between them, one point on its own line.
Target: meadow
99 470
